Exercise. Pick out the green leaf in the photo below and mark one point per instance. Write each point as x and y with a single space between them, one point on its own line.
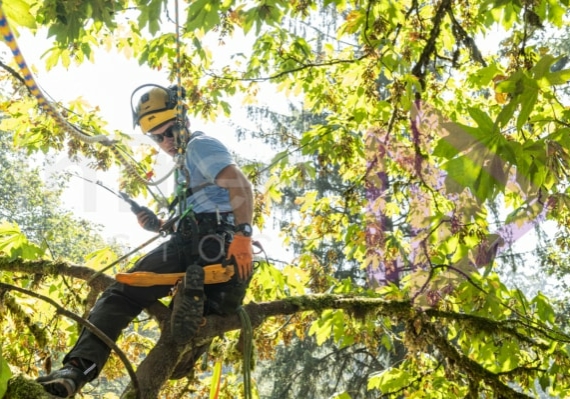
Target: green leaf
508 358
556 12
445 149
389 380
339 331
5 375
280 160
558 78
542 67
511 85
150 14
15 244
483 120
528 99
322 327
544 381
53 59
98 259
462 171
203 15
507 112
18 13
484 76
543 308
509 16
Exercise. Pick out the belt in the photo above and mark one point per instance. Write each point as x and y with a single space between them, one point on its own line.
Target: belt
214 217
207 223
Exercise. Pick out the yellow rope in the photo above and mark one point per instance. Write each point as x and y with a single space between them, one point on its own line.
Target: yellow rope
10 40
179 104
48 107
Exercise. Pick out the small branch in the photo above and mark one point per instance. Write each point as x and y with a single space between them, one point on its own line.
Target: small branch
507 327
13 72
290 71
58 268
89 326
419 69
462 36
475 371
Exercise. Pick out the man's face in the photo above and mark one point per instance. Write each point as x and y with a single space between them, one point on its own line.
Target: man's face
165 137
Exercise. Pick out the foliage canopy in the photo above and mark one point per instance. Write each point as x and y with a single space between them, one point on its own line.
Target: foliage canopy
426 133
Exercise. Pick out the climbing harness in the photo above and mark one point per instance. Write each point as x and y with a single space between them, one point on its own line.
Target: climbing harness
214 274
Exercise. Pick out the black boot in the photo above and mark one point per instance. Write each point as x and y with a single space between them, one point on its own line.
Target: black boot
68 380
188 305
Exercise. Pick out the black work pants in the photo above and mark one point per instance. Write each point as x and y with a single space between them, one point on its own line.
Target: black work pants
120 303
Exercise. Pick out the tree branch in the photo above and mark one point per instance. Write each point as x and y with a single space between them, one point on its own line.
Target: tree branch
59 268
160 363
302 66
432 334
419 70
85 323
13 72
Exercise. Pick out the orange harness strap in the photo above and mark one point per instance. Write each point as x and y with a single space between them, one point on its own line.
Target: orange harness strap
213 274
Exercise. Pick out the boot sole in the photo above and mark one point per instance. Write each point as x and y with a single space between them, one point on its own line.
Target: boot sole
61 387
187 316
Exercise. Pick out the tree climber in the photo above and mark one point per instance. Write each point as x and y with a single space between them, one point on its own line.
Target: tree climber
220 200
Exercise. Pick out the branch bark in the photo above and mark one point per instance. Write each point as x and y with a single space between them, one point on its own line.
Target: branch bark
425 327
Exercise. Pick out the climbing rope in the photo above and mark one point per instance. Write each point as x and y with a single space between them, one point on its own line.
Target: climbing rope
247 334
216 380
179 105
182 176
47 106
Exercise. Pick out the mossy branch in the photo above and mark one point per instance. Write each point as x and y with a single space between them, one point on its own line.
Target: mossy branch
432 335
86 324
160 362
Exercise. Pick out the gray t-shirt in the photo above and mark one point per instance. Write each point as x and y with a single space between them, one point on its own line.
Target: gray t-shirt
205 158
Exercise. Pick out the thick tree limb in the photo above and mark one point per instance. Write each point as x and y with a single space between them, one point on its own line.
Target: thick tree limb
60 268
426 328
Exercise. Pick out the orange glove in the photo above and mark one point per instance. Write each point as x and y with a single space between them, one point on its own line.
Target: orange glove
242 253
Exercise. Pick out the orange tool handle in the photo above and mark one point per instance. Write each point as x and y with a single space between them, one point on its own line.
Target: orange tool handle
213 274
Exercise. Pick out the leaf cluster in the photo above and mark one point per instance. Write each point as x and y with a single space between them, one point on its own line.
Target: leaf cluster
408 130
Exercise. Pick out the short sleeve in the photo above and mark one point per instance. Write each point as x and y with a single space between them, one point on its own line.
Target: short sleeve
209 156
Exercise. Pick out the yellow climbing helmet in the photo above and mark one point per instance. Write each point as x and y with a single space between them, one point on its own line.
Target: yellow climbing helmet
155 107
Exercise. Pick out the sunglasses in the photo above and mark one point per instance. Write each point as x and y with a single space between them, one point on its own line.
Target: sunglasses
159 138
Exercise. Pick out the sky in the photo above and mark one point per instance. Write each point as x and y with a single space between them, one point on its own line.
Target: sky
108 84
